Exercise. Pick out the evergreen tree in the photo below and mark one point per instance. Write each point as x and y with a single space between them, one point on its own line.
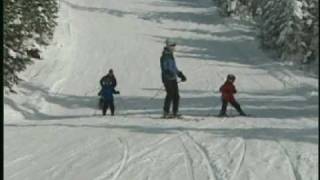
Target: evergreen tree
311 30
290 40
27 26
290 27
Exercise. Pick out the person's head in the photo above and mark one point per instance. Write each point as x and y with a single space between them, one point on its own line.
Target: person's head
170 44
231 78
110 71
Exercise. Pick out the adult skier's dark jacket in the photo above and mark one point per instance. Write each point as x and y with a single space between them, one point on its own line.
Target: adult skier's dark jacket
169 70
227 90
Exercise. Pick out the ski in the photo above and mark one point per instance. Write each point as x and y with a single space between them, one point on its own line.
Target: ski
182 117
232 116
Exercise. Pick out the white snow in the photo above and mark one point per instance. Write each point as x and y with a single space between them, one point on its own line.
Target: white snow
53 130
12 53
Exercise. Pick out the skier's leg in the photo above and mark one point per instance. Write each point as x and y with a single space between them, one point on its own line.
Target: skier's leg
107 106
236 105
176 98
100 103
168 98
104 108
112 108
223 107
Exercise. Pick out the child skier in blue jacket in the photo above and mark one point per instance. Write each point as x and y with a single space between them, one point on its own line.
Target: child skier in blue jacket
106 94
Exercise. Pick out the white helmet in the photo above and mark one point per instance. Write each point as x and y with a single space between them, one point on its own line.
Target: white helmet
170 42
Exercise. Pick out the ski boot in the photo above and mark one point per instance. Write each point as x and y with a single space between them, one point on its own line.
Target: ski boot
165 115
176 115
223 115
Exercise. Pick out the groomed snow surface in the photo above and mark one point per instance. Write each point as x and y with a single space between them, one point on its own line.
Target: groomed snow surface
53 130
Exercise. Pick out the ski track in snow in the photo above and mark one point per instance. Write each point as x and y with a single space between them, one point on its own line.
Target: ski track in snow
22 158
294 175
188 160
242 144
116 173
205 156
149 149
212 169
124 159
74 156
118 167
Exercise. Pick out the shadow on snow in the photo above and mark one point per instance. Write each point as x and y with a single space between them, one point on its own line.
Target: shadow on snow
309 135
201 49
284 104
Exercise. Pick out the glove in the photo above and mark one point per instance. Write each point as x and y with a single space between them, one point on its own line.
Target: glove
183 79
99 93
117 92
182 76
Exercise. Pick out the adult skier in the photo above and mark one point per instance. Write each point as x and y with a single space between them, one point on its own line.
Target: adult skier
106 94
227 90
169 74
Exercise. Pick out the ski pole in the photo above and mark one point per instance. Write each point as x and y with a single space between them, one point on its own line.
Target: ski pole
95 109
160 89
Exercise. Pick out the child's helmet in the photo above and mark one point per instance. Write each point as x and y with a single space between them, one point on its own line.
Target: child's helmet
231 77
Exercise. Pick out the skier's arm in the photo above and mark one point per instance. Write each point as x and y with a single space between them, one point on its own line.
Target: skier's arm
115 92
234 89
162 63
101 81
182 76
114 82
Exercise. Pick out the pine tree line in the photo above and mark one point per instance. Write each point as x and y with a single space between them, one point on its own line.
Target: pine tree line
28 25
290 27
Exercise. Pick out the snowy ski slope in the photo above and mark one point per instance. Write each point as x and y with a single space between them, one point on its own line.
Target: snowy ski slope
53 130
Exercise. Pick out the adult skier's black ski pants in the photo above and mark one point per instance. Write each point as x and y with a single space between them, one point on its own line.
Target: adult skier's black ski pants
106 105
172 90
235 104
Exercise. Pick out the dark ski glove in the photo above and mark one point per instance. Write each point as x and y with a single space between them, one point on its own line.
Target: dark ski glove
182 76
117 92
